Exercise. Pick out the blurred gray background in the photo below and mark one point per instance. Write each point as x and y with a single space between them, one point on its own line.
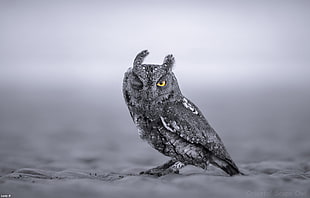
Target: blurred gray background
244 63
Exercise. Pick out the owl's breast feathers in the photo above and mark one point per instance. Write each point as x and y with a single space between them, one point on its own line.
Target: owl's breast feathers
185 120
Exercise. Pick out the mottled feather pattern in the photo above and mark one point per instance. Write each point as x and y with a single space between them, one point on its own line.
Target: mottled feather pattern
170 122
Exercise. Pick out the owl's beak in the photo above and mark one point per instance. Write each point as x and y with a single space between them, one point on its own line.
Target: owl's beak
149 96
150 93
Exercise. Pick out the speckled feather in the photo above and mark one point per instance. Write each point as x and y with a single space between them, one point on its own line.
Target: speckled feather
170 122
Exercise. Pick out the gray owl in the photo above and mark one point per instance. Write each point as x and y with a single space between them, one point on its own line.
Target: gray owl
170 122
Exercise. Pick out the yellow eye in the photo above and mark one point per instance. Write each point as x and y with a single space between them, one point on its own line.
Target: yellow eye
161 83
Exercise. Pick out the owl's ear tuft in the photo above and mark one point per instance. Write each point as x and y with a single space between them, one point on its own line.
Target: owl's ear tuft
169 61
140 57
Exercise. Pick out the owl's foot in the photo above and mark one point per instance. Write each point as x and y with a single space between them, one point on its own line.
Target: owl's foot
159 172
171 166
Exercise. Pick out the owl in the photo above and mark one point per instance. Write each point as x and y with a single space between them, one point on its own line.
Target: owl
169 121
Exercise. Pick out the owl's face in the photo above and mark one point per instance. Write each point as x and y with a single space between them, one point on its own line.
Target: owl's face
150 83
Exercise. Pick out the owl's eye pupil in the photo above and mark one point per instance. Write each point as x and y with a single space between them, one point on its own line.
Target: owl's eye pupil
161 83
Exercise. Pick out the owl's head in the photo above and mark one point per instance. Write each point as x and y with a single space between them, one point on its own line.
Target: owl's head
152 83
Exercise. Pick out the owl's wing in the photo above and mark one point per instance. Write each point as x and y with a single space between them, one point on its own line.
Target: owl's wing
186 120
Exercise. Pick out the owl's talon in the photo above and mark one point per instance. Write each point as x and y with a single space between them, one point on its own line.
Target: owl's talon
152 171
159 172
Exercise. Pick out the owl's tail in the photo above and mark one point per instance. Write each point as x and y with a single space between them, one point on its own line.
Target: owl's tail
226 165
